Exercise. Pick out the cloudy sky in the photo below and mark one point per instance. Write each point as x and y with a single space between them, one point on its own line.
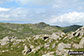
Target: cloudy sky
54 12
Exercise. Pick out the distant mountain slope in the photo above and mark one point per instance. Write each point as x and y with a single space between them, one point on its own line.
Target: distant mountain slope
70 28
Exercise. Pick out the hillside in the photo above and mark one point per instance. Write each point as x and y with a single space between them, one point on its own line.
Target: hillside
22 30
40 39
70 28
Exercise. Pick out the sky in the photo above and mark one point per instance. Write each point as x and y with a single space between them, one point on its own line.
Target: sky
53 12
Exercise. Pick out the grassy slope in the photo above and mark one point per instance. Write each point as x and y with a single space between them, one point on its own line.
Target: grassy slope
24 30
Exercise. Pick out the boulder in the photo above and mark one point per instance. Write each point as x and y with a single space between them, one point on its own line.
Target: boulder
54 45
5 41
49 54
81 44
61 49
76 46
54 36
57 35
36 49
47 45
26 50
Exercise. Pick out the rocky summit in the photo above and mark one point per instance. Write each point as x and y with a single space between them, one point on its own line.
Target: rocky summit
40 39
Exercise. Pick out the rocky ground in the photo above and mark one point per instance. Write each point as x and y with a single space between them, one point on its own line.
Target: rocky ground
55 44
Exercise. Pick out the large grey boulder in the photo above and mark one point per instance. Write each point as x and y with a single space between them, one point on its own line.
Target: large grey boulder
5 41
54 36
57 35
61 49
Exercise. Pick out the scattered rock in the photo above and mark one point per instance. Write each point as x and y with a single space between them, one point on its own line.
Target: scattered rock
49 54
54 45
32 46
47 45
36 49
26 50
36 37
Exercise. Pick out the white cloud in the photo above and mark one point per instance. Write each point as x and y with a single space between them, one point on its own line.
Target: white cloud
17 14
68 18
22 14
4 16
43 9
4 9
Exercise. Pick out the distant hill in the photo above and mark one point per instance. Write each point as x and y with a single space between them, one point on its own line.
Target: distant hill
70 28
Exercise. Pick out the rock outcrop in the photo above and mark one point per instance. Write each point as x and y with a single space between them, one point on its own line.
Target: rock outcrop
78 33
